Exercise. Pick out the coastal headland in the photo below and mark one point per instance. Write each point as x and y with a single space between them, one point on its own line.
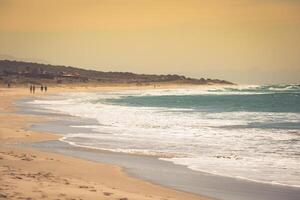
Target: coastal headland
19 72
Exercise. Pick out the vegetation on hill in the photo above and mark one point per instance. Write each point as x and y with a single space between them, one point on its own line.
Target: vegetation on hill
26 72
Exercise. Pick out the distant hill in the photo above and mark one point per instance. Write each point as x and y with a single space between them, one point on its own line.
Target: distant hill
26 72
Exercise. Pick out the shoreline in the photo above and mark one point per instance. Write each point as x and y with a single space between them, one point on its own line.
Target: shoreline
196 182
158 156
180 178
39 174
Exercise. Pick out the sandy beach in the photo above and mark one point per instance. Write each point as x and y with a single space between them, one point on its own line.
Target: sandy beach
149 100
31 174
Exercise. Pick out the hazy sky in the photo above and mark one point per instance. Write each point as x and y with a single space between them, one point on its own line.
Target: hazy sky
245 41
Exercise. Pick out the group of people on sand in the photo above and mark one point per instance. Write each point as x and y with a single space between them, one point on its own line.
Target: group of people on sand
43 88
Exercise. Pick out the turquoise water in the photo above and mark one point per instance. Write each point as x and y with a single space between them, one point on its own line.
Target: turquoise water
271 99
273 102
248 132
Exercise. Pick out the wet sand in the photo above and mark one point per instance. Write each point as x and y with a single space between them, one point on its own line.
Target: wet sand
175 176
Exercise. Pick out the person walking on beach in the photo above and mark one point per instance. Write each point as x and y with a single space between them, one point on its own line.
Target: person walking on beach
30 88
33 89
45 88
42 88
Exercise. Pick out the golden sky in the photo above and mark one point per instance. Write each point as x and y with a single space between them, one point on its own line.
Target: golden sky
245 41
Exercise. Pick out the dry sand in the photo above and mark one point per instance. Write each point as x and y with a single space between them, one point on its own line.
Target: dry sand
31 174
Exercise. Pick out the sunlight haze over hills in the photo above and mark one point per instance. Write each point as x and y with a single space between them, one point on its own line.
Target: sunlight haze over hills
244 41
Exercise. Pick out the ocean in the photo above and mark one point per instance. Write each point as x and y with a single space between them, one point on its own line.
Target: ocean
246 132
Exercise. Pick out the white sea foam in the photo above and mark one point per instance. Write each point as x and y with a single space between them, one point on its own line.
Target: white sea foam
202 141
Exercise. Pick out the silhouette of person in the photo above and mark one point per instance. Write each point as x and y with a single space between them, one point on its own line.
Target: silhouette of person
30 88
33 89
42 88
45 88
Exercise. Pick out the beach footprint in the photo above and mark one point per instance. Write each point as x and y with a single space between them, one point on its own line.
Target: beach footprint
107 193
